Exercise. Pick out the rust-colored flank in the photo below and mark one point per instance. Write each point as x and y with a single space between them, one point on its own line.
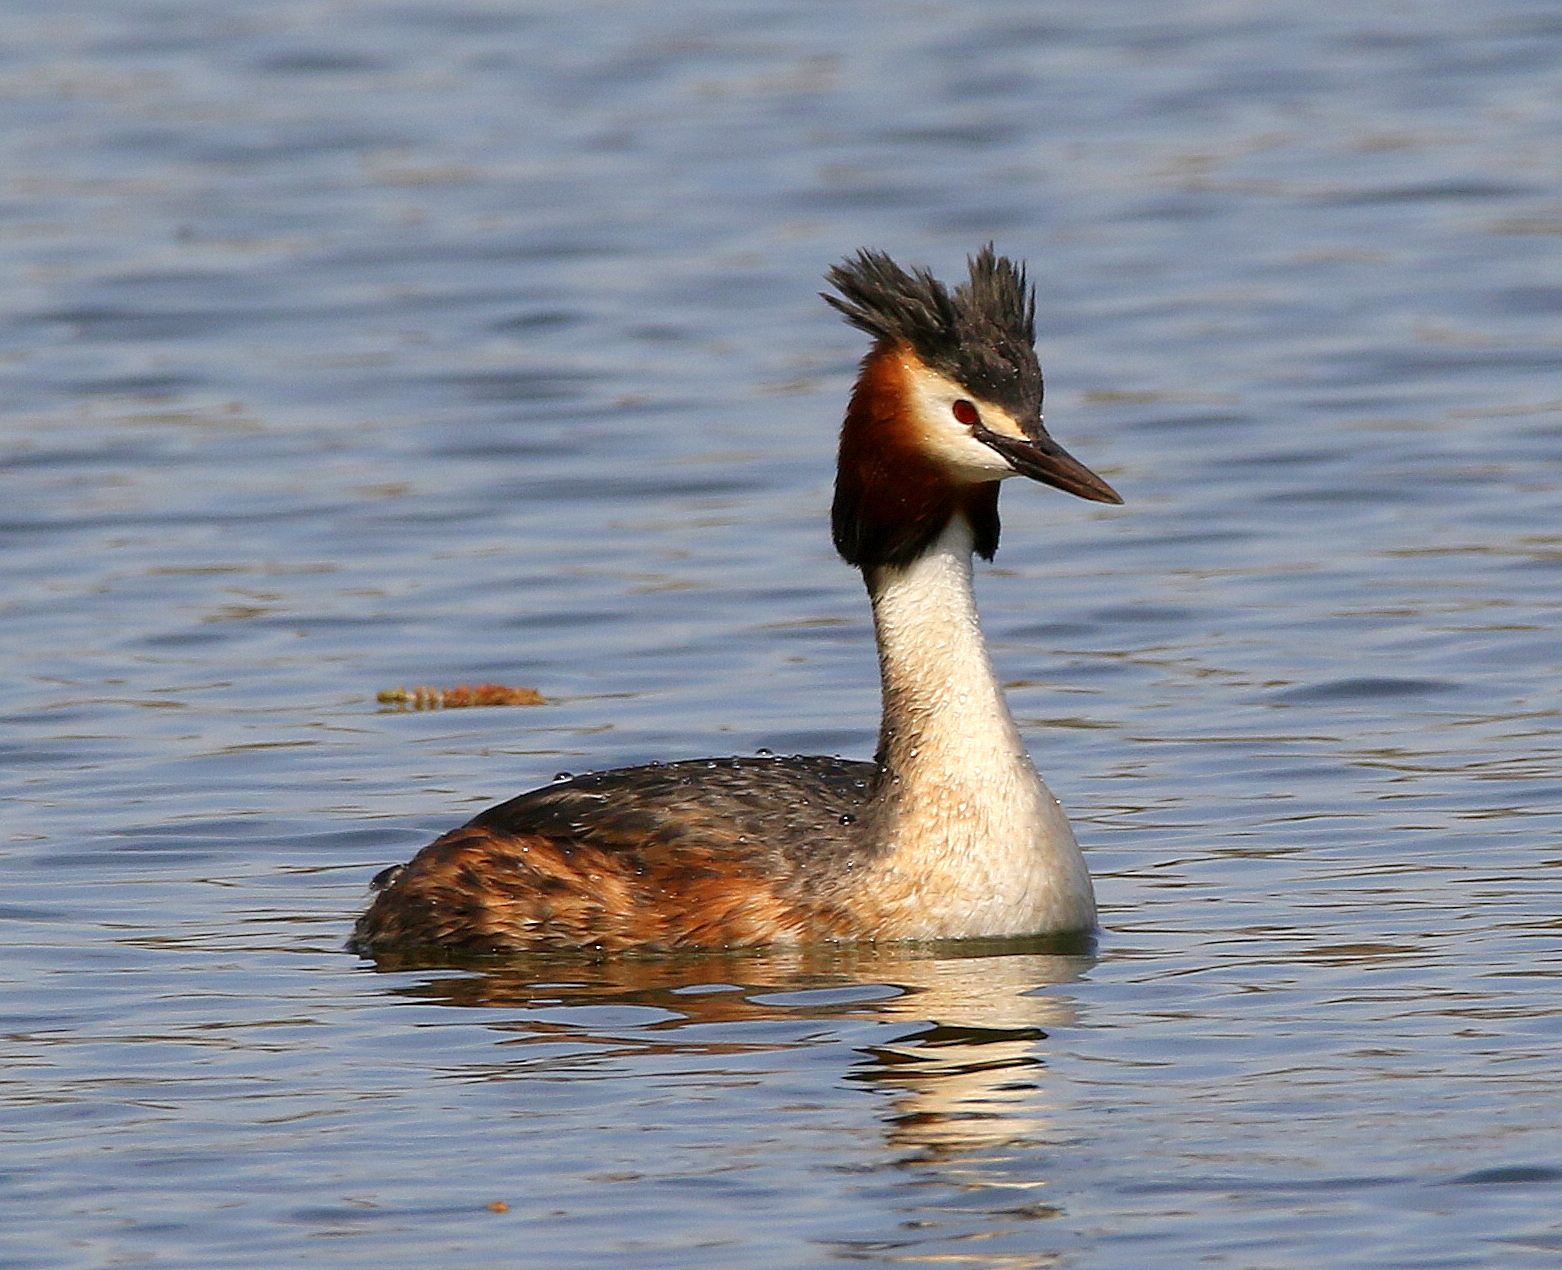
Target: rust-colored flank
948 832
478 890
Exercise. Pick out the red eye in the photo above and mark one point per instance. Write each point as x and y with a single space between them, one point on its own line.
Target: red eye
965 412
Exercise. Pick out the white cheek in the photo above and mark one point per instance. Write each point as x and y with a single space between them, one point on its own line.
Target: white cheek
963 455
949 441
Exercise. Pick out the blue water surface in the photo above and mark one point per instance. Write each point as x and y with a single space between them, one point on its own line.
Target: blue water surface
357 344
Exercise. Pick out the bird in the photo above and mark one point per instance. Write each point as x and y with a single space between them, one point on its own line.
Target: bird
949 832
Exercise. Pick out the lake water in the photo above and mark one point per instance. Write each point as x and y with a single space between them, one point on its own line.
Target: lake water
349 346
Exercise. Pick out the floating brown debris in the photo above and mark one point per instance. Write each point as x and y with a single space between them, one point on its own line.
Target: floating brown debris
460 697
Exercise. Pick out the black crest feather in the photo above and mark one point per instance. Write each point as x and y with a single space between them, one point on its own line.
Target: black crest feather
982 334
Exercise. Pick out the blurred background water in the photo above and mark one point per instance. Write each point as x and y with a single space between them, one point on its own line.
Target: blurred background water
348 345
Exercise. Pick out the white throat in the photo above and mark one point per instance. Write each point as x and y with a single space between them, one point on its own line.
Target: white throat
977 843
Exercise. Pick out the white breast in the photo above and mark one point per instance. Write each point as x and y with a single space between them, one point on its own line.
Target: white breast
979 846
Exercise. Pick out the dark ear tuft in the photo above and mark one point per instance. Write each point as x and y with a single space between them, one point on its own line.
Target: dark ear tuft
999 290
881 298
982 334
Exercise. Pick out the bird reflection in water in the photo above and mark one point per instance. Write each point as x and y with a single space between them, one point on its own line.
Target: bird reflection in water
962 1065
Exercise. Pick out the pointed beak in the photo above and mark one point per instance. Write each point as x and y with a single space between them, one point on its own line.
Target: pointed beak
1043 459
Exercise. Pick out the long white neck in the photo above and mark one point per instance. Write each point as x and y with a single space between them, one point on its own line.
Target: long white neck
977 844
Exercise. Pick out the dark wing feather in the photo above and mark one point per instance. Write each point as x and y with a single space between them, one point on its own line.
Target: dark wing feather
754 806
704 853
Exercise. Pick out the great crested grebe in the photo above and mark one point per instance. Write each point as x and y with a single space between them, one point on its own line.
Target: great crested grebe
949 832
